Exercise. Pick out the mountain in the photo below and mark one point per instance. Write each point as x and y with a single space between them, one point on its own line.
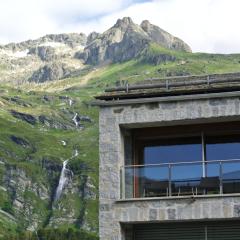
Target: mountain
49 128
126 40
55 57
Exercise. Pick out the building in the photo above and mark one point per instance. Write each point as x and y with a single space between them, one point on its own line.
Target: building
170 159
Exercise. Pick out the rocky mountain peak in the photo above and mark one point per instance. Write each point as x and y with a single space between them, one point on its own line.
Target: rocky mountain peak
92 36
145 25
124 22
164 38
126 40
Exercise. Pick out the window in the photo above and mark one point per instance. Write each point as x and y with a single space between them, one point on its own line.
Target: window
181 160
173 150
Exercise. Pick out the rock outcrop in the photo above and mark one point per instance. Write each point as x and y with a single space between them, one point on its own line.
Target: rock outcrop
70 39
164 38
120 43
24 117
50 72
126 40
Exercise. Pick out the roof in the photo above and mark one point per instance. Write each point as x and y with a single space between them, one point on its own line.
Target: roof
173 86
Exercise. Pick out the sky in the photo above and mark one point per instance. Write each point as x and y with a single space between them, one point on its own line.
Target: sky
206 25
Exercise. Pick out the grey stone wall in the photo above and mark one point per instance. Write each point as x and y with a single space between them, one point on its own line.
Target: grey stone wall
112 119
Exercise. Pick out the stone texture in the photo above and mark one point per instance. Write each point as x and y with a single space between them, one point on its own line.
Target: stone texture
153 214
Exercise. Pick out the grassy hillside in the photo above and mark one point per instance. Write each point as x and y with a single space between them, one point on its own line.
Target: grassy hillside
32 152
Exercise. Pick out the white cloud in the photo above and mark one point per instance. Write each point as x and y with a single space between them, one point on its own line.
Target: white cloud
206 25
20 20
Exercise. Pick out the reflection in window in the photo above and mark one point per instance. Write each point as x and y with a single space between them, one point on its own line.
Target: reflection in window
195 171
222 148
174 150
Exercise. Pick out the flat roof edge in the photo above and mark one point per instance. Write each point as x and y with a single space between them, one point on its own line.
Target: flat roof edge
201 96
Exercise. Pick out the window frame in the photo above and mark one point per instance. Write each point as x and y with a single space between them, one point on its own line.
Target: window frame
151 136
148 136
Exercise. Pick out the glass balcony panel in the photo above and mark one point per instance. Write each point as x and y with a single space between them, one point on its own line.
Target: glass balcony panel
154 181
146 181
231 177
128 182
181 179
212 169
210 183
185 178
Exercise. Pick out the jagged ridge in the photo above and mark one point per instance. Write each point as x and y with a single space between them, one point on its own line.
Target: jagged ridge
58 56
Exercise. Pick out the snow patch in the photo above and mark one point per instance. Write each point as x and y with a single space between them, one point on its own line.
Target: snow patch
79 48
52 44
17 54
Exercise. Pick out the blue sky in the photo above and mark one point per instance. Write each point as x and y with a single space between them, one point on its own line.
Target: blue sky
206 25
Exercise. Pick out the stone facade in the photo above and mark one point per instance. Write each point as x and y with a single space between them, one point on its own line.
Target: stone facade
113 120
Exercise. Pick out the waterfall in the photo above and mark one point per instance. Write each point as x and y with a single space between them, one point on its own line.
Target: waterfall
70 102
62 180
75 119
76 153
37 235
64 176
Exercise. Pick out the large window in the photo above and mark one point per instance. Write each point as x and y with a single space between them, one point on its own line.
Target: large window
196 159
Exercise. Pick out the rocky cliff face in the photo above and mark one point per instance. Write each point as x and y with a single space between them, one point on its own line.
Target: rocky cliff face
126 40
31 163
50 57
120 43
58 56
163 38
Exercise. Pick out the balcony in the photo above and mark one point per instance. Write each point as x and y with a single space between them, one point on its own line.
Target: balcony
181 179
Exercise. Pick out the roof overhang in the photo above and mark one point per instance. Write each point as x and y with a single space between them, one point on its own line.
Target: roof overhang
201 96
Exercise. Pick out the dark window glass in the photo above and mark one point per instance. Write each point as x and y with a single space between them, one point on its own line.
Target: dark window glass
222 147
173 150
231 177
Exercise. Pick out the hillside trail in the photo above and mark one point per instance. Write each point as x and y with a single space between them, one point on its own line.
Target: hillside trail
86 78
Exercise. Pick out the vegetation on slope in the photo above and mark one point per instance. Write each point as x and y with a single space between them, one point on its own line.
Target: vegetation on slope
31 154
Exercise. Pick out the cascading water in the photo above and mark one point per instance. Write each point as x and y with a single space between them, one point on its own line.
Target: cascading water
64 176
62 181
75 119
76 153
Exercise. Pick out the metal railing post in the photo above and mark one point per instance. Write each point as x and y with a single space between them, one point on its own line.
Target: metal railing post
169 180
220 178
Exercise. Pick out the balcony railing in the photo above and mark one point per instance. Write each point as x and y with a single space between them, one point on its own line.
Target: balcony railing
180 179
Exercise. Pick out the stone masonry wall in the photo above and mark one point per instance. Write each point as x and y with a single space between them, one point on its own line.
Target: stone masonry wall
111 212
